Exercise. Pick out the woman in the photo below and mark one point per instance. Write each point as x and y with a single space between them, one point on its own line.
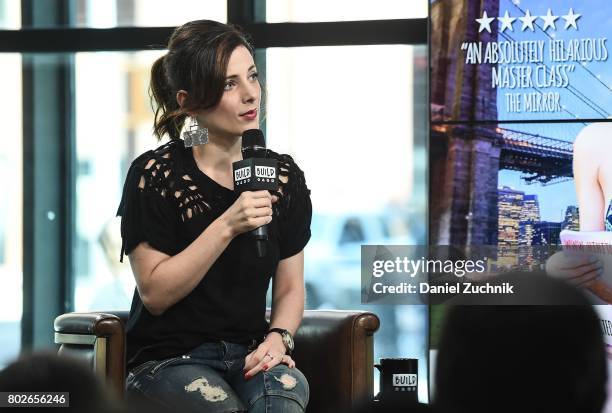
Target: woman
593 181
197 331
593 177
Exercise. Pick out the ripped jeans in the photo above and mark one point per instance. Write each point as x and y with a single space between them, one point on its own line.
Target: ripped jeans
210 379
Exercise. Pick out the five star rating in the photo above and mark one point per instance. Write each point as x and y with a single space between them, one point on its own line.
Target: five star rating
529 21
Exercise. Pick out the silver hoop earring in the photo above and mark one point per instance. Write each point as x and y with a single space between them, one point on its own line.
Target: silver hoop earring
195 134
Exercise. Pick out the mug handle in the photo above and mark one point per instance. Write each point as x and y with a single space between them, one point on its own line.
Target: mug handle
379 367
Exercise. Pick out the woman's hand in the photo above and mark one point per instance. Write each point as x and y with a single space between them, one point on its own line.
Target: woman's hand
267 355
577 268
251 210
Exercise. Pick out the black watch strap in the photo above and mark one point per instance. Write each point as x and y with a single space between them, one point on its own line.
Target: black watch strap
287 338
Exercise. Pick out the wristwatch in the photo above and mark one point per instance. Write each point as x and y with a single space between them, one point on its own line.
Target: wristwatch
287 338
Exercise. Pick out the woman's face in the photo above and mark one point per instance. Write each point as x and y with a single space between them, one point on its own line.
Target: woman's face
238 109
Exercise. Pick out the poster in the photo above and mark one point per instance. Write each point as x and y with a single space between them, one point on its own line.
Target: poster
520 119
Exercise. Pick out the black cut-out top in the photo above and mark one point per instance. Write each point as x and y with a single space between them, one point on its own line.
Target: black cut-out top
167 202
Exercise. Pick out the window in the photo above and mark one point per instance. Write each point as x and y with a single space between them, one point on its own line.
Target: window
11 269
143 13
111 88
10 14
353 117
278 11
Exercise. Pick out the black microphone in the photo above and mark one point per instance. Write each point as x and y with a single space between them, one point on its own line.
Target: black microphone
253 144
253 173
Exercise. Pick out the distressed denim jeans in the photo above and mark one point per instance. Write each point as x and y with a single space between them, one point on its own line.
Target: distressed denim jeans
210 378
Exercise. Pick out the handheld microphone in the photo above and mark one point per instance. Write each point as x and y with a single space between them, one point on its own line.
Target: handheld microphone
253 144
253 173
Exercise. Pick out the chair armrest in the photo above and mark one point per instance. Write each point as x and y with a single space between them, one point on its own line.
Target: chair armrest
97 338
335 350
98 324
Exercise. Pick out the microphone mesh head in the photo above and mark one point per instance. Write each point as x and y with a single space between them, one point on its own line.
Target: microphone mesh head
253 137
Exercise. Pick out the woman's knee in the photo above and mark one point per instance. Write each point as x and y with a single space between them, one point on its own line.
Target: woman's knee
276 404
286 390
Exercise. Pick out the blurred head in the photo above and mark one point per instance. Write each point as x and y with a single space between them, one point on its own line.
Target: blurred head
48 372
523 358
208 73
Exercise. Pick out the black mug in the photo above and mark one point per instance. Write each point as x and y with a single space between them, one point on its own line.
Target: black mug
398 380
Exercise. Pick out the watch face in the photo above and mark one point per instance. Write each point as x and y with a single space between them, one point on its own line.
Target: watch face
288 341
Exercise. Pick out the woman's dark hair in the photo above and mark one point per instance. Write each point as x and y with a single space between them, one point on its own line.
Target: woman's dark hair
197 59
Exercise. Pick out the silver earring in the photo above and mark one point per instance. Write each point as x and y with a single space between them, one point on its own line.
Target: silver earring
195 134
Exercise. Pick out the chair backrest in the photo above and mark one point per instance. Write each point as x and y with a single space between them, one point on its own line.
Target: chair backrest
334 350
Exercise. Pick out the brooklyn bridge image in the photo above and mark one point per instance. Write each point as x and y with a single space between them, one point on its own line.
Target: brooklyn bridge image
466 154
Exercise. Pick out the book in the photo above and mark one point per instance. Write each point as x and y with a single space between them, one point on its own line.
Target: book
598 243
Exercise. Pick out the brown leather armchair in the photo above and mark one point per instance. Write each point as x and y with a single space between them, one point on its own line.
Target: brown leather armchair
334 349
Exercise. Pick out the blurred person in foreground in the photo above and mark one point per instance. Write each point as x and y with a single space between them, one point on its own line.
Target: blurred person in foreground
48 372
496 355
